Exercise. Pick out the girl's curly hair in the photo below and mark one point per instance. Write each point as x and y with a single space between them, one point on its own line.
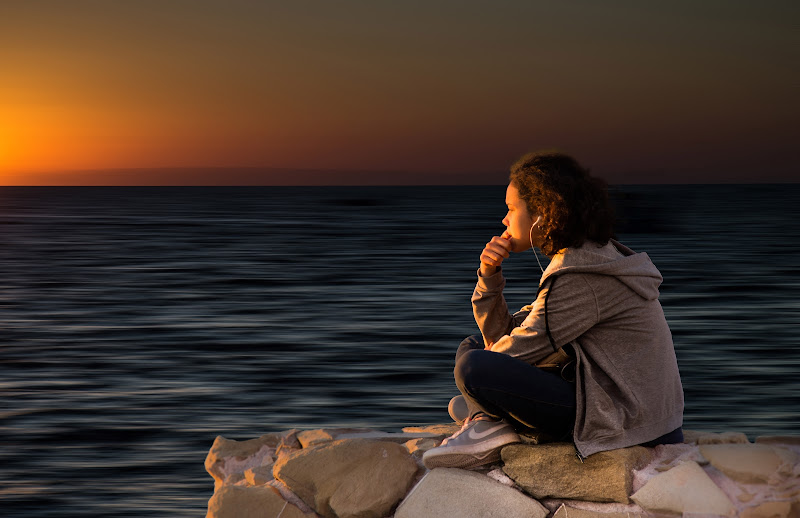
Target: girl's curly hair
574 205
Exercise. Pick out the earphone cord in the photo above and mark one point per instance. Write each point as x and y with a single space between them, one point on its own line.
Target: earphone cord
530 236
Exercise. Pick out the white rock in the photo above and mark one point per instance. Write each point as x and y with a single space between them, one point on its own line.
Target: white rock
684 489
768 510
457 493
723 438
747 463
572 512
349 478
259 476
779 439
417 447
251 502
228 459
311 437
398 437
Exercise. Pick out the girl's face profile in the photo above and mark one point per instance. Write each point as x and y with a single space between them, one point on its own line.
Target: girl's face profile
518 222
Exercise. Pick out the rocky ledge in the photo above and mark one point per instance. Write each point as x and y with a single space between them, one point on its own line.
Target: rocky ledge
364 473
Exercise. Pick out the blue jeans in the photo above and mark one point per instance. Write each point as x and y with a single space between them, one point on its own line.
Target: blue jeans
507 388
526 396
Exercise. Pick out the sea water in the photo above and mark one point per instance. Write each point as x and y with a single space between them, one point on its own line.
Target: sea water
138 324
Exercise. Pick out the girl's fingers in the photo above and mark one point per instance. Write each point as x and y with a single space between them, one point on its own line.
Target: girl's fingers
491 258
501 242
497 249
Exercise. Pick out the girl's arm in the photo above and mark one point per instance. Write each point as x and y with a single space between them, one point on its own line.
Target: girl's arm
488 304
490 308
572 309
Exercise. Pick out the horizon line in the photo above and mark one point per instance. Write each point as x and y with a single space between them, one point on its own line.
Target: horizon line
261 176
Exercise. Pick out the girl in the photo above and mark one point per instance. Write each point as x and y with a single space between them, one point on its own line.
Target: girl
597 302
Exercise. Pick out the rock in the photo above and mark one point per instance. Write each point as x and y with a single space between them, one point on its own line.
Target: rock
349 478
251 502
571 512
793 494
684 489
227 457
747 463
691 436
444 430
779 439
259 476
288 446
310 437
768 510
457 493
390 436
417 447
498 475
554 471
723 438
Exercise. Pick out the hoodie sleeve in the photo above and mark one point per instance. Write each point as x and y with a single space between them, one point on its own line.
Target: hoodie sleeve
490 308
572 309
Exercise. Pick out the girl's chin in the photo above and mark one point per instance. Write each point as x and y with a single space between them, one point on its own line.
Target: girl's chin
518 246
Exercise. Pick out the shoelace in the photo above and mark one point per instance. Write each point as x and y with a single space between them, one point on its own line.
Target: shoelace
463 427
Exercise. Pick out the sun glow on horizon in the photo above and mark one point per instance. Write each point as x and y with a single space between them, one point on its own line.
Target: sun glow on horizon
393 87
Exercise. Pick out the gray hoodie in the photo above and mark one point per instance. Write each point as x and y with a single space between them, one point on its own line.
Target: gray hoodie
604 302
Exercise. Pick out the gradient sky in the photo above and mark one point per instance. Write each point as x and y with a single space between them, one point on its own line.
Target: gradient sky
122 92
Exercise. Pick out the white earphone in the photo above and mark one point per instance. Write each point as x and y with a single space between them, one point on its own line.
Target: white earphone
533 248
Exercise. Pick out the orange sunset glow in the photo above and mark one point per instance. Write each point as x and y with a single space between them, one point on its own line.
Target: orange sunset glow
126 93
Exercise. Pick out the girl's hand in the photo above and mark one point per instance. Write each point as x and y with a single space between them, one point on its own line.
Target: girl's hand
495 252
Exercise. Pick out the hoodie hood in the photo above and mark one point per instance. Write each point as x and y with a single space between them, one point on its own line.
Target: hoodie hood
614 259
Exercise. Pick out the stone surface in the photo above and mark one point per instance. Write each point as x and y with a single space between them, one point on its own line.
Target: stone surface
779 439
456 493
417 447
310 437
444 430
747 463
251 502
227 458
389 436
554 471
571 512
259 476
768 510
684 489
349 478
723 438
690 436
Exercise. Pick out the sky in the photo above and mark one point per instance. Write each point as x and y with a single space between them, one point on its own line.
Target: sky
238 92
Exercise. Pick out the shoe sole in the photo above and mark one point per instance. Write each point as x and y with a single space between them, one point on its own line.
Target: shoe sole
467 457
460 460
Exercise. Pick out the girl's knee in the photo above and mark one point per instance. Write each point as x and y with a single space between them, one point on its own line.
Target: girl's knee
470 343
471 366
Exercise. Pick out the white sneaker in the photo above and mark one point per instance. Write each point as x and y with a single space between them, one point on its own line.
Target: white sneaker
478 443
